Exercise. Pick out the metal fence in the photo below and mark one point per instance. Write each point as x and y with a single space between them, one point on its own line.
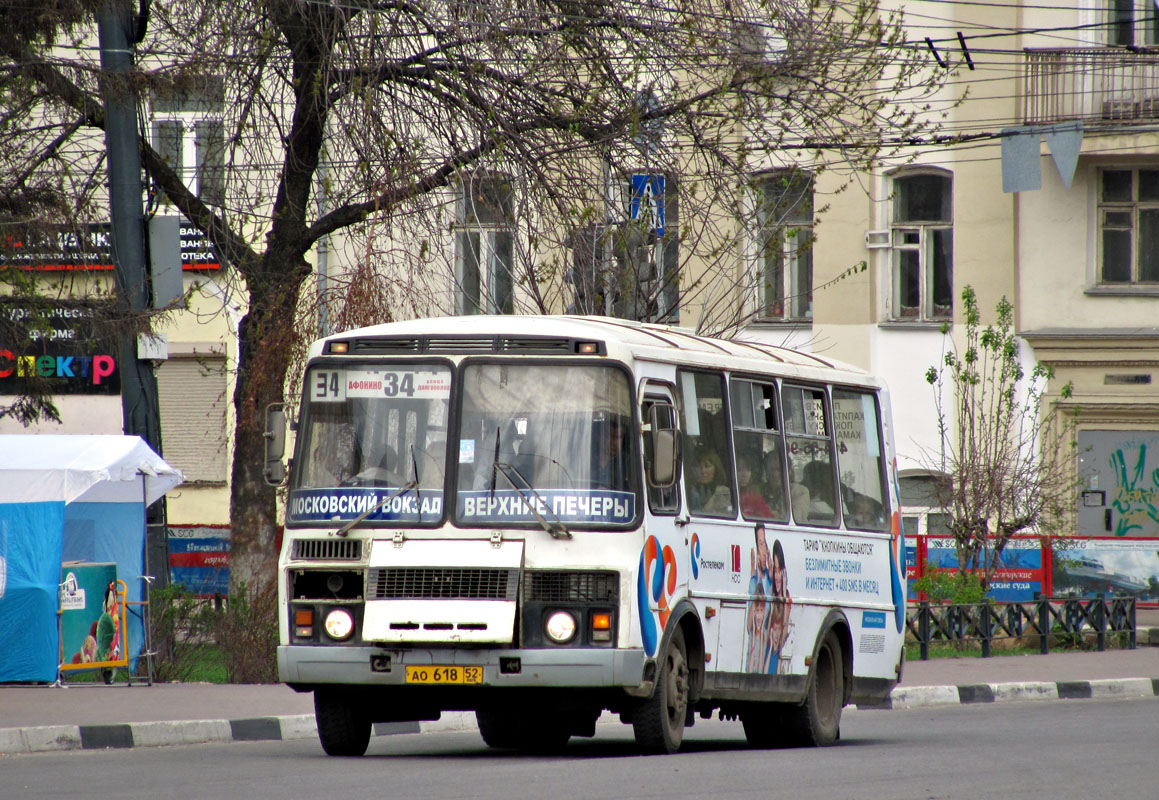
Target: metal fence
1049 616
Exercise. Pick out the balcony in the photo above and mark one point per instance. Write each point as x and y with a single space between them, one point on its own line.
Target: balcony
1099 85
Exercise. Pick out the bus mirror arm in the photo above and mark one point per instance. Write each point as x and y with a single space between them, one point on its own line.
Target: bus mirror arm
345 529
555 527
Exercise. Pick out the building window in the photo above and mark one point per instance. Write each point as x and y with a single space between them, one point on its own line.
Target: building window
785 216
922 236
194 399
1129 226
485 246
1132 23
189 135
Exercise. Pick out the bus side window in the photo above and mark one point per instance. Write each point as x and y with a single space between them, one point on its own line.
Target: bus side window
808 429
862 466
759 451
708 477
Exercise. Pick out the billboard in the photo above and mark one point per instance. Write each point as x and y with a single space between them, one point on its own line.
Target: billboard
199 559
1088 567
65 344
59 248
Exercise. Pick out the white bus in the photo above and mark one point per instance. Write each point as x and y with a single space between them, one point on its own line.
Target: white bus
539 519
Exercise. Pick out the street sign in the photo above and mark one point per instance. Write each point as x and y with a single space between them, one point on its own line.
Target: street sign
647 203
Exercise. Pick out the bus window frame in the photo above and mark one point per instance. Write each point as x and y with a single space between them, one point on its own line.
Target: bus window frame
830 437
455 426
764 380
728 467
347 362
882 466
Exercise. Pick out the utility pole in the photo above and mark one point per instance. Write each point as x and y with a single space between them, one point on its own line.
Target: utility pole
139 407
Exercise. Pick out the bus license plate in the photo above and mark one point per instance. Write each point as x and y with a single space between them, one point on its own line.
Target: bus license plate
442 675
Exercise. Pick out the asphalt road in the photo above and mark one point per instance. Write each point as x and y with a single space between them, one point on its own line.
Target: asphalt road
1075 749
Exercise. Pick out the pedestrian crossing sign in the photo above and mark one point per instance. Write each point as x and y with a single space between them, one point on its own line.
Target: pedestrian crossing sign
647 203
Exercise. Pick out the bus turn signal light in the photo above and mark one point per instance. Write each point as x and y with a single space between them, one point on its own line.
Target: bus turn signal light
601 627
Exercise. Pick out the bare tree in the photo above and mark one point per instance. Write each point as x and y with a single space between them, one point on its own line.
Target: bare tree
1007 455
370 124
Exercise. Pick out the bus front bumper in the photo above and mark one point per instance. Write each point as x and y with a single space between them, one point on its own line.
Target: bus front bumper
376 666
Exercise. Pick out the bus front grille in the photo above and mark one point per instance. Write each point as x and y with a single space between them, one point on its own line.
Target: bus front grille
327 550
565 586
442 583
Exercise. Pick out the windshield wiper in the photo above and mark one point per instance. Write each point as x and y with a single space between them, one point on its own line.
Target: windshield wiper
555 528
415 482
345 529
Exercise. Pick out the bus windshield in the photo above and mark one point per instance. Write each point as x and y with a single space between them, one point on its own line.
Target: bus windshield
372 435
553 436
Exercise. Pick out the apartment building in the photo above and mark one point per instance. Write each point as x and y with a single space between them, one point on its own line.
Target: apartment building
1039 181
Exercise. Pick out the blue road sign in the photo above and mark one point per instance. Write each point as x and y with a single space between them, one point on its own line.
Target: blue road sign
647 204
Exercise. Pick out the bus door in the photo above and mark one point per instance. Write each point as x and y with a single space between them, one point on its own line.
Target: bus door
718 551
664 569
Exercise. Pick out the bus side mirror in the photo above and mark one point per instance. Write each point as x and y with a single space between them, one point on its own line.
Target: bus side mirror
664 459
664 466
275 435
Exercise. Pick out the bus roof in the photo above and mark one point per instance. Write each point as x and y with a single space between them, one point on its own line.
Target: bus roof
643 340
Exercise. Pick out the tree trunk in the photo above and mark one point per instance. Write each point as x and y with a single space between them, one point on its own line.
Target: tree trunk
267 329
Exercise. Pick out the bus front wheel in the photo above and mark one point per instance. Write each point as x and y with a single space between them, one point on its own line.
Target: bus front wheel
658 722
343 728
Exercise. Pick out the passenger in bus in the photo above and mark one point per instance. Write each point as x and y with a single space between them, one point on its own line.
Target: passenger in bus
706 492
818 477
799 495
332 465
861 510
750 484
608 468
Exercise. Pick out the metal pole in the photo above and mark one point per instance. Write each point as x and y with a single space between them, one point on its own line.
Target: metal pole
139 407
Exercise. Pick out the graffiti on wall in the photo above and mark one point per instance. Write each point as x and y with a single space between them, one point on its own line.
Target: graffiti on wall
1120 483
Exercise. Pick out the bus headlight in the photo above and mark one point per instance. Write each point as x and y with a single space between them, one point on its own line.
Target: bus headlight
339 624
560 627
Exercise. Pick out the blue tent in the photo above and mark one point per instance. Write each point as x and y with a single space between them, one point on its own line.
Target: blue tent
68 498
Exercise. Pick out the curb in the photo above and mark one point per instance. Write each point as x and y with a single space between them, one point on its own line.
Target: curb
907 697
57 738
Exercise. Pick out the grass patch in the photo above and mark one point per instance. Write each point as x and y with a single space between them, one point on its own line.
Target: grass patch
1015 647
200 663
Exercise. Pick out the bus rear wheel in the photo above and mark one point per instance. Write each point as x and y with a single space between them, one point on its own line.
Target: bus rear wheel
817 722
343 728
658 722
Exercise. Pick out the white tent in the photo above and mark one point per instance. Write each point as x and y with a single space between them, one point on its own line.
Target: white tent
68 498
35 468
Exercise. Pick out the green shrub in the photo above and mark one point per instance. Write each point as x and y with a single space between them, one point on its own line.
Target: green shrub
225 640
951 586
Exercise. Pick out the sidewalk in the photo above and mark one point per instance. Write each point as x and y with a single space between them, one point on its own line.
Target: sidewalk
95 716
